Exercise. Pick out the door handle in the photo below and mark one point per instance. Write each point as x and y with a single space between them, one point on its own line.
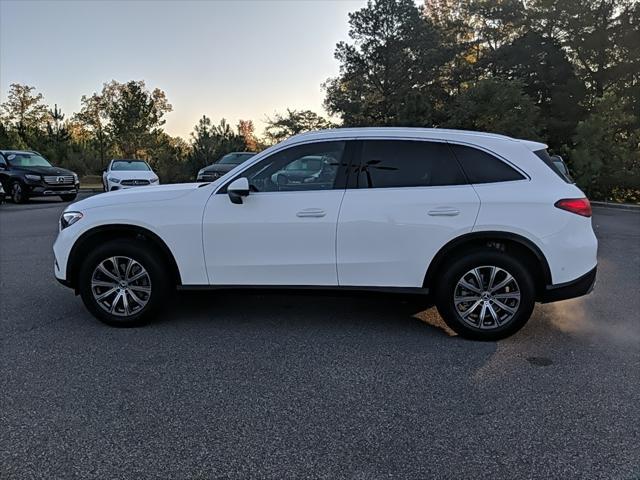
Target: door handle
311 212
444 212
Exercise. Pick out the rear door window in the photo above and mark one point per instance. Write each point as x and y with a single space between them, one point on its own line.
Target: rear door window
482 167
407 163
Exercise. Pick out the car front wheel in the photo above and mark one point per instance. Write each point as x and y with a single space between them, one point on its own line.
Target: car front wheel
17 192
123 283
486 295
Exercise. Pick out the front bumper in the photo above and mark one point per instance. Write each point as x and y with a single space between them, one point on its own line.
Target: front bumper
209 177
113 186
575 288
42 189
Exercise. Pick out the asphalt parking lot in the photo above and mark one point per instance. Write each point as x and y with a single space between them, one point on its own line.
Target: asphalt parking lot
274 386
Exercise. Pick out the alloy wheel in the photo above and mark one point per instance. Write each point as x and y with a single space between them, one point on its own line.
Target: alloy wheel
121 286
16 192
487 297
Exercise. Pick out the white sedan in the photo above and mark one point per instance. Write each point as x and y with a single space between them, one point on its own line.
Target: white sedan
121 174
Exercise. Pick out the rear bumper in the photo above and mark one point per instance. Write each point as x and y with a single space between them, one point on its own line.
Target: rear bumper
575 288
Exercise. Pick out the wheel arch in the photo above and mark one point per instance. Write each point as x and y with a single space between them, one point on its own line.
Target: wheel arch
106 233
501 241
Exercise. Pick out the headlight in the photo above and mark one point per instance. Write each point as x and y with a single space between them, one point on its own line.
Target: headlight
154 180
75 178
200 172
114 179
34 178
69 218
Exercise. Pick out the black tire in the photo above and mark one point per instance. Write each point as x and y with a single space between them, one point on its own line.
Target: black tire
487 258
17 192
141 253
69 198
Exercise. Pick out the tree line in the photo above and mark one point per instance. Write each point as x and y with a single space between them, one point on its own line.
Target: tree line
563 72
125 120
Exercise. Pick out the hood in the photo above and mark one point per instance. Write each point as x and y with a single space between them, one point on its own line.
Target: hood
132 174
135 195
43 170
220 167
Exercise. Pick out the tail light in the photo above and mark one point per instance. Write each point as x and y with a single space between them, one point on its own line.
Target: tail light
579 206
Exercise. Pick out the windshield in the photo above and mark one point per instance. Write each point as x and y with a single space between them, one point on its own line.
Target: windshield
130 165
235 158
27 160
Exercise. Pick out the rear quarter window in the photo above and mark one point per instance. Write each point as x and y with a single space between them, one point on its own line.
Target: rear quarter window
558 169
482 167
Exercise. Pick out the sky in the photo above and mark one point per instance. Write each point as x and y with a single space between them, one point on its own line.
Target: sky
243 59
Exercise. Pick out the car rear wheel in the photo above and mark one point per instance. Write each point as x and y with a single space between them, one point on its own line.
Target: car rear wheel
486 295
17 192
123 283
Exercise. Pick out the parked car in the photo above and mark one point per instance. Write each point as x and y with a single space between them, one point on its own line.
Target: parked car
225 164
26 174
312 168
479 223
561 166
557 164
121 174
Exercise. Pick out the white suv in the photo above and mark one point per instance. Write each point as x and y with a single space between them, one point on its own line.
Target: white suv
485 225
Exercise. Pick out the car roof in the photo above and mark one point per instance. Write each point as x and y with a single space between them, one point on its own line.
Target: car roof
444 134
239 153
19 152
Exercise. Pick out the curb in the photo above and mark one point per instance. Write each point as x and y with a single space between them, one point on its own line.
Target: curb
619 206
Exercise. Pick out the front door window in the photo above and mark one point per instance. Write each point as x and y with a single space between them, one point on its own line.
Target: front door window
305 167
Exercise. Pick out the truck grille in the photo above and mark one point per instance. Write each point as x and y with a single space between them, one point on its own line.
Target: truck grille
210 176
59 179
134 182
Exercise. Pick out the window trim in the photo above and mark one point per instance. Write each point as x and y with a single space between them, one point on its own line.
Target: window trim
359 159
342 177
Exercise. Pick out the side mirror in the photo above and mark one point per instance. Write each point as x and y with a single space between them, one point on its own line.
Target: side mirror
237 189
